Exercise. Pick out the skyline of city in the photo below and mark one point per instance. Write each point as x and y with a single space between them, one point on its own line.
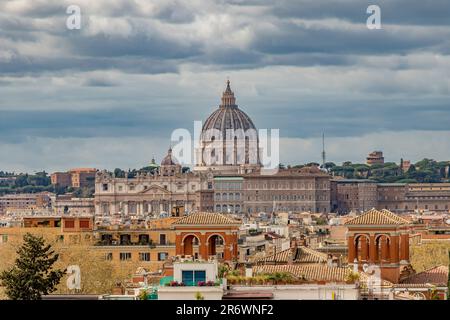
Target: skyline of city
134 72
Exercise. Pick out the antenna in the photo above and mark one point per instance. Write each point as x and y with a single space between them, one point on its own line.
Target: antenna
323 151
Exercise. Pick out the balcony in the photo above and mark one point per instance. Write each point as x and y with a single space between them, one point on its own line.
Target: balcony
149 244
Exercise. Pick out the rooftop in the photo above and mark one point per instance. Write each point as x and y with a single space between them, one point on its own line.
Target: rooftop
436 275
298 255
376 217
206 218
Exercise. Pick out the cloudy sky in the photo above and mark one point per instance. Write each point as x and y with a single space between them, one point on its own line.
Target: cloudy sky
110 94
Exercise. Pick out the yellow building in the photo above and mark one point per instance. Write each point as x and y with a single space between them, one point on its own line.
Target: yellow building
148 246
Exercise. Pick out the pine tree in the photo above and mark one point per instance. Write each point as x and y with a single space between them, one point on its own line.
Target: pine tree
32 275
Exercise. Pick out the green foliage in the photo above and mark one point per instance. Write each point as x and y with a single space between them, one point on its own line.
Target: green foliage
119 173
32 275
280 277
223 270
351 276
321 221
199 296
85 192
424 171
143 295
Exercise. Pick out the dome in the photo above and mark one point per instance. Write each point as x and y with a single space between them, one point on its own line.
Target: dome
227 117
228 138
168 160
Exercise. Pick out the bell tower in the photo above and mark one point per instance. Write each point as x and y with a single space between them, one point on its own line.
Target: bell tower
379 238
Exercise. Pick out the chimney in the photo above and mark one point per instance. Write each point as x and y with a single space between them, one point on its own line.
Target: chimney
330 260
294 243
248 271
355 265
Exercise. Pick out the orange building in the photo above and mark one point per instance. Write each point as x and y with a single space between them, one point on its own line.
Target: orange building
83 177
77 178
62 179
204 235
380 238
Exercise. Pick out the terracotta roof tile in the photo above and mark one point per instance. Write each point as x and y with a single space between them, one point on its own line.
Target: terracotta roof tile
436 276
301 255
375 217
312 272
206 218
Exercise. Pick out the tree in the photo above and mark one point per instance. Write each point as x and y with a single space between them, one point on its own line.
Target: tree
32 275
119 173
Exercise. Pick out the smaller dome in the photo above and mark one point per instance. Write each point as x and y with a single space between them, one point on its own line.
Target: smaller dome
168 160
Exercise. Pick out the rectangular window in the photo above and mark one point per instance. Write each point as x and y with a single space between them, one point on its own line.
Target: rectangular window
162 256
144 256
105 187
84 224
4 238
125 256
69 224
162 239
193 277
108 256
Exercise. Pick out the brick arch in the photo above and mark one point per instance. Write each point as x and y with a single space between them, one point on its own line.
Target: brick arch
196 235
383 245
212 244
188 243
362 246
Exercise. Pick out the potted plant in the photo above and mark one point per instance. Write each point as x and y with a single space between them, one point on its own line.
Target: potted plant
232 279
199 296
351 277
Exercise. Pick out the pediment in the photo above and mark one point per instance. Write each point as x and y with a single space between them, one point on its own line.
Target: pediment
154 189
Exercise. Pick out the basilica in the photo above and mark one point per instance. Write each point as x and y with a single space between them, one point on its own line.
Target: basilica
226 177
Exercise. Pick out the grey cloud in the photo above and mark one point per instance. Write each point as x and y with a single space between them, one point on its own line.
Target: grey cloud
26 65
414 12
100 82
292 38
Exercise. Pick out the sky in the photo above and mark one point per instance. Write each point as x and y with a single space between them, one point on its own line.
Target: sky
110 94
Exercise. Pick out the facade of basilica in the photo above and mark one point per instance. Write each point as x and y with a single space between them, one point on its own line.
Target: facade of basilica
226 177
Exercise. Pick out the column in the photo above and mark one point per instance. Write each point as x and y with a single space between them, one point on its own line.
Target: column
227 246
394 249
203 246
364 248
384 249
404 247
373 249
405 244
351 249
179 246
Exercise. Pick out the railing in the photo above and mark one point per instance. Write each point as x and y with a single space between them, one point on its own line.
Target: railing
151 245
